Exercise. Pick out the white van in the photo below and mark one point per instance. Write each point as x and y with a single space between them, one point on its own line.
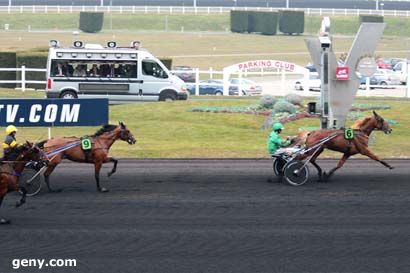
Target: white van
119 74
400 69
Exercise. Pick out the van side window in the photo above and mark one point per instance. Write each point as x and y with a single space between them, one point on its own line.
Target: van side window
151 68
94 68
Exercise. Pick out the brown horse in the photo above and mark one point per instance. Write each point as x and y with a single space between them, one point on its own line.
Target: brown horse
10 171
358 145
101 141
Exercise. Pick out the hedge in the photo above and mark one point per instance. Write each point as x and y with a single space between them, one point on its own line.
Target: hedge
91 22
252 21
239 21
267 23
8 60
292 21
371 19
33 60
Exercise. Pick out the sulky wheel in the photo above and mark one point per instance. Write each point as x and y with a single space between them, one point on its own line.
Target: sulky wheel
296 173
32 185
278 166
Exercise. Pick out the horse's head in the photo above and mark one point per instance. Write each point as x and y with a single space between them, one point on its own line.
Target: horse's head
31 152
381 124
126 134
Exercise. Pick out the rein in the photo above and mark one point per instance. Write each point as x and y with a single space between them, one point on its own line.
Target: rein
76 143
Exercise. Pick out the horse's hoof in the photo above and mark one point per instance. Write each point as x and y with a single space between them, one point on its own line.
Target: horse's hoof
391 168
4 222
103 190
110 173
56 191
19 203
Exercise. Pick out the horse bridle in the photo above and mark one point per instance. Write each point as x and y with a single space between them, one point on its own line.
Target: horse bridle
124 136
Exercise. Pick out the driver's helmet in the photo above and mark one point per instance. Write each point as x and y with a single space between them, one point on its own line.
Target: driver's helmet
11 129
277 126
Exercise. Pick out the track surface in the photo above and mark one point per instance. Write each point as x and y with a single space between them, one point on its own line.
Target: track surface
215 216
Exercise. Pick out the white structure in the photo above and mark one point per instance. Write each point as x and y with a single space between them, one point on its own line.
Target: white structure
263 66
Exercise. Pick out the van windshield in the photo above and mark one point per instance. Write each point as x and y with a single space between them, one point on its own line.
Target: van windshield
152 68
94 68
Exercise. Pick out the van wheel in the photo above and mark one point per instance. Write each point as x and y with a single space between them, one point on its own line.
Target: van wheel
218 93
168 96
68 95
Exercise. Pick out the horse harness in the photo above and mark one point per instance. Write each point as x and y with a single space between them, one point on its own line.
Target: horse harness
86 145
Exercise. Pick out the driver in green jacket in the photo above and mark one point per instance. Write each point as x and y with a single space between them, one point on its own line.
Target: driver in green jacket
275 142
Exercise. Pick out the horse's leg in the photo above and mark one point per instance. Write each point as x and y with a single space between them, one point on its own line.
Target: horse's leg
50 168
365 151
14 186
2 220
23 197
114 168
339 165
97 166
313 161
3 192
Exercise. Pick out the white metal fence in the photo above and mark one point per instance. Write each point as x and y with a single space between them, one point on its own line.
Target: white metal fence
23 81
191 10
278 82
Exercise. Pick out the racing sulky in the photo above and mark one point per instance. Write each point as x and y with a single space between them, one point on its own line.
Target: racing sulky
10 171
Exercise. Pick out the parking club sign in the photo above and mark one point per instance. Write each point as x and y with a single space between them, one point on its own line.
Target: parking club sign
342 73
53 112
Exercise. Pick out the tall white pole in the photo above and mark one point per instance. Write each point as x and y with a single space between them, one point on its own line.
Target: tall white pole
102 3
287 4
194 3
9 3
408 79
377 4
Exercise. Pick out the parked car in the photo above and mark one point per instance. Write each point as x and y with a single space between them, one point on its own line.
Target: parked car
314 82
210 87
383 64
386 77
400 69
394 61
185 73
373 81
249 87
311 68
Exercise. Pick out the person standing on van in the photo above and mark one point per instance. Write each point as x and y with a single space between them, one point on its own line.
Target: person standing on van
136 45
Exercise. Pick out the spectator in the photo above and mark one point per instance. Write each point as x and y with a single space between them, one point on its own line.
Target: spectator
69 69
60 70
94 71
121 71
105 70
80 71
